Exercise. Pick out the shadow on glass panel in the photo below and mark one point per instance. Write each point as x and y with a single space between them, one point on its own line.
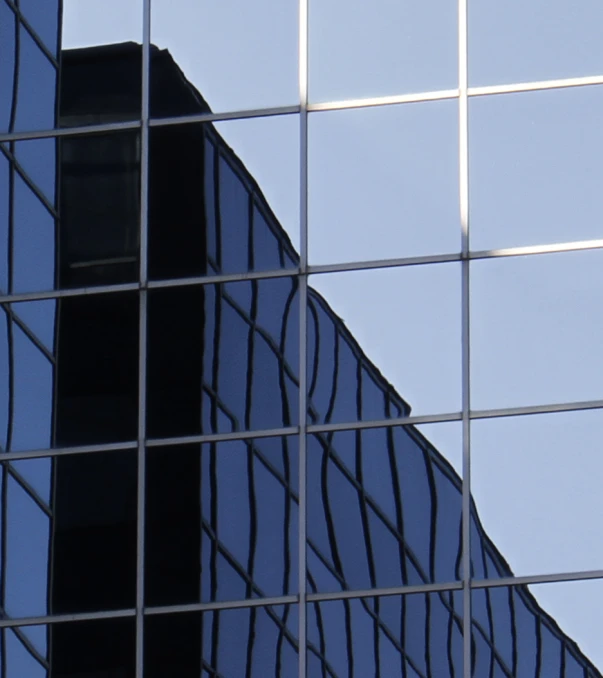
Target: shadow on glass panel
513 636
69 530
70 649
226 510
223 357
254 642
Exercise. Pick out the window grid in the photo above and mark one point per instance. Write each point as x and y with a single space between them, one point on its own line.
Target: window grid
306 599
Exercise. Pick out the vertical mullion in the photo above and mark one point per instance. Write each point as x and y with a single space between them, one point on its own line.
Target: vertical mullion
142 329
465 328
303 320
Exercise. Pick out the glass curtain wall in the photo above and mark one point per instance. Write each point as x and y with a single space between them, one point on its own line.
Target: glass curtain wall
300 362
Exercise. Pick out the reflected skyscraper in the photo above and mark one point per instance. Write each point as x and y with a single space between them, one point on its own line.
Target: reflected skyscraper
219 529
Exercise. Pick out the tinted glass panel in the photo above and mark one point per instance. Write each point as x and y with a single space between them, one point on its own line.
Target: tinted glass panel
222 358
373 176
546 629
535 171
69 526
535 336
101 62
525 40
384 510
413 635
68 371
98 56
71 211
256 642
215 210
103 647
402 323
256 67
360 49
227 510
520 471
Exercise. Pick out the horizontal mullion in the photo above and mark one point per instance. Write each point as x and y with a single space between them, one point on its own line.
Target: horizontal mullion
334 105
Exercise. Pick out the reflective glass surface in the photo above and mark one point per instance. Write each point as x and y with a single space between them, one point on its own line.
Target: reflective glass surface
238 55
66 377
384 343
535 335
71 210
524 40
360 49
520 470
399 636
254 642
227 359
94 44
384 509
103 647
207 262
69 533
534 167
373 175
229 225
544 630
226 510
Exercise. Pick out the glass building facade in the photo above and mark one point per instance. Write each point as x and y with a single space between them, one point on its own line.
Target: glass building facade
351 433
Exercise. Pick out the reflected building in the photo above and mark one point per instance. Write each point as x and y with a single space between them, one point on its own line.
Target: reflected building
221 516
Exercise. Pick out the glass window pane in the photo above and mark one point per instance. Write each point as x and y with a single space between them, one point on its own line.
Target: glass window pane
402 325
256 642
71 376
373 175
227 510
538 629
101 61
384 509
524 40
72 550
360 49
255 67
227 360
97 369
398 636
75 210
534 168
104 647
519 474
535 336
98 59
224 197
